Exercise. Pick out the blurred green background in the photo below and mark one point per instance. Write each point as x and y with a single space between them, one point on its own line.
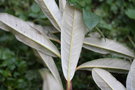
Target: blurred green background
18 64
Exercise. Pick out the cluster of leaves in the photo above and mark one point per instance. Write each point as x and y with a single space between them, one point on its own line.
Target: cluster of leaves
26 10
117 17
117 21
18 65
105 24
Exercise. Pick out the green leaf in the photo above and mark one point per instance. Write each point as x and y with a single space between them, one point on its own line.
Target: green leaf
5 73
35 8
90 19
6 53
131 13
80 3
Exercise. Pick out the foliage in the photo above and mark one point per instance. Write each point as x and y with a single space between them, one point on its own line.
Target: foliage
105 24
116 17
18 67
90 19
130 13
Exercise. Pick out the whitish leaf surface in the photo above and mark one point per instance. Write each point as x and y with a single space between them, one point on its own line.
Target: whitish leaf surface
130 83
105 80
47 31
4 27
110 64
28 35
62 4
49 82
106 46
50 31
48 60
72 36
51 10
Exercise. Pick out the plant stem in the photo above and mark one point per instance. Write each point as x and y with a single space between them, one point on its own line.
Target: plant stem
132 42
69 85
100 32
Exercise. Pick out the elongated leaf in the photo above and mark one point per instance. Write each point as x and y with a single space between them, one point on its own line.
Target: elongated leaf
106 46
90 19
48 60
50 8
130 83
49 82
45 29
72 36
110 64
4 27
105 80
28 35
62 4
48 31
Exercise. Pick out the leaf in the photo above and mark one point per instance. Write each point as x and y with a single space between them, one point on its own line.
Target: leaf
131 13
110 64
50 29
49 82
46 31
90 19
130 83
105 80
48 60
35 8
4 27
80 4
28 35
106 46
51 10
62 4
72 36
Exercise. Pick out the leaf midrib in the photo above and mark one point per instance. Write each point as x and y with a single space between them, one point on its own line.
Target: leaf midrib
52 15
93 45
31 39
72 33
90 67
104 80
